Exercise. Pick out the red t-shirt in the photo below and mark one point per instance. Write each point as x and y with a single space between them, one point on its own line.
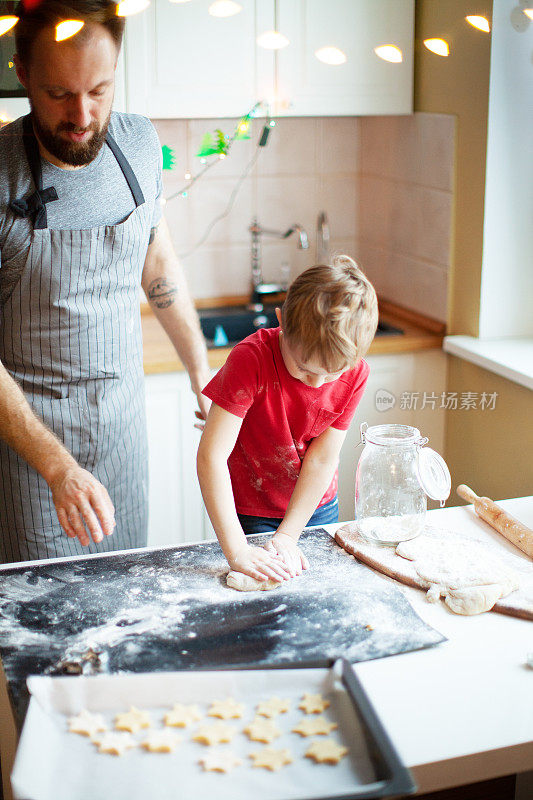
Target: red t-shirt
281 416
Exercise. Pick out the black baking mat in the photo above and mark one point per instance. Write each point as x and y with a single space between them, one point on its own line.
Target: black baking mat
169 609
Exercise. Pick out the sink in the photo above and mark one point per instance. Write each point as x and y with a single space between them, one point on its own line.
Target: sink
223 327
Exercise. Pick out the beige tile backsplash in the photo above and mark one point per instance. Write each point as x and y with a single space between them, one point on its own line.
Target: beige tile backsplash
385 183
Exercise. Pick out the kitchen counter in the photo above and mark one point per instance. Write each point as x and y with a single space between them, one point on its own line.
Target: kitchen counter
458 712
419 333
463 711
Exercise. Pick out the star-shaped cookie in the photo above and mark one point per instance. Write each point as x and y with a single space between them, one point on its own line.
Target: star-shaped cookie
114 743
86 723
215 733
313 703
271 759
314 726
326 752
273 707
226 709
262 730
180 716
220 761
164 741
132 720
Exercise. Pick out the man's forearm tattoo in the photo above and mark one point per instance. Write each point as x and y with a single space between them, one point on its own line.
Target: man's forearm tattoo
151 238
162 292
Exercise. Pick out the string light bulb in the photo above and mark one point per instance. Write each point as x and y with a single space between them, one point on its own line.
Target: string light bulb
331 55
224 8
129 7
68 28
187 176
272 40
7 22
481 23
438 46
389 52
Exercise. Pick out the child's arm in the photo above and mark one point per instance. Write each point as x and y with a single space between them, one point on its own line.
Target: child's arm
318 468
217 442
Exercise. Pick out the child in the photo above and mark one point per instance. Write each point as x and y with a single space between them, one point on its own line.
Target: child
282 404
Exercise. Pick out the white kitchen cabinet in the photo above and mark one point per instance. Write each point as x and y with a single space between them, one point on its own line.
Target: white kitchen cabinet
183 63
365 84
177 512
395 380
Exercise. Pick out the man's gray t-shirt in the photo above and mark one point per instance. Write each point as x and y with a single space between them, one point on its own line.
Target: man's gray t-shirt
95 195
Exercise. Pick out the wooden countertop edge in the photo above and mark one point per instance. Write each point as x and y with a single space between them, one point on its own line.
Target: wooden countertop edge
420 333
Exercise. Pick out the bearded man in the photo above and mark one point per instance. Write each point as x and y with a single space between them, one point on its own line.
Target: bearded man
81 231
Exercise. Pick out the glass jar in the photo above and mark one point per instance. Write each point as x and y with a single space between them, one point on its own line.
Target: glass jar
394 475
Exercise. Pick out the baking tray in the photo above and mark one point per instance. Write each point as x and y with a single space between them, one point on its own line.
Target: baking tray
54 764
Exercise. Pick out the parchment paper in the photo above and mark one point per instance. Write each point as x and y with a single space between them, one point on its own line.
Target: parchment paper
54 764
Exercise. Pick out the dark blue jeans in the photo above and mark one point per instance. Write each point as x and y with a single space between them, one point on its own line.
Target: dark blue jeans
329 512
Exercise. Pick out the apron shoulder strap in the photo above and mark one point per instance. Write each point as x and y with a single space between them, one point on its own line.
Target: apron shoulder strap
124 165
35 205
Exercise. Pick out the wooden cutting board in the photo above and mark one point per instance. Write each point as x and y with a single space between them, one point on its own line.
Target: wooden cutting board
384 559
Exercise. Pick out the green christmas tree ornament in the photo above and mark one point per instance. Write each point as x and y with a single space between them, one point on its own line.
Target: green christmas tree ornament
169 159
242 130
214 144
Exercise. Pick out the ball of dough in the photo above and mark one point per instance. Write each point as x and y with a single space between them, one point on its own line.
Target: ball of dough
244 583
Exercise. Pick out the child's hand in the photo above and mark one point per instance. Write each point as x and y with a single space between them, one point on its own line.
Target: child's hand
260 564
285 546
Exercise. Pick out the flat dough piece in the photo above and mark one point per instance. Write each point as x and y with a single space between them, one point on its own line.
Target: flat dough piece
132 720
220 761
215 733
114 743
262 730
182 715
470 578
86 723
271 759
273 707
226 709
314 726
326 752
313 703
244 583
164 741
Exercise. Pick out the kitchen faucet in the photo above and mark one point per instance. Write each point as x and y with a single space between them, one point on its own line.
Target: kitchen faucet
322 239
259 287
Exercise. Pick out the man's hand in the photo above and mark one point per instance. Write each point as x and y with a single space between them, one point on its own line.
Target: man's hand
79 498
204 404
286 548
258 563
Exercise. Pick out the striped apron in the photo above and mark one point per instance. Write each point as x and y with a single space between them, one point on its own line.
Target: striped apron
70 335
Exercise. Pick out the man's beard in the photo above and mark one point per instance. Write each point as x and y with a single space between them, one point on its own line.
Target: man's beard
76 154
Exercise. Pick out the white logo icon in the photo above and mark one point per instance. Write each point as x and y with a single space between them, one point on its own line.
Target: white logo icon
384 400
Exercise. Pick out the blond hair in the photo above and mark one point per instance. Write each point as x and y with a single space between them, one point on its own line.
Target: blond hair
331 314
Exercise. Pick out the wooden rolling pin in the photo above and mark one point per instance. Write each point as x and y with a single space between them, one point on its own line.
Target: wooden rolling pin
513 530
